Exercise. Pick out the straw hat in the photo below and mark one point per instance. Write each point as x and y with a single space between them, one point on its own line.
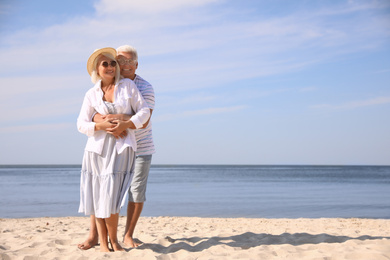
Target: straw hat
95 54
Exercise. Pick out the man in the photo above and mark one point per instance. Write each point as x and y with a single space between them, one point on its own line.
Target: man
127 58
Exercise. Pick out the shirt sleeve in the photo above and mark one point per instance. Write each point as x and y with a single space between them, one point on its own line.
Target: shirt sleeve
84 124
148 95
146 90
139 106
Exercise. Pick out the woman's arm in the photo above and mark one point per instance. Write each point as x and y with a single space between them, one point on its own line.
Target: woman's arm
84 124
147 122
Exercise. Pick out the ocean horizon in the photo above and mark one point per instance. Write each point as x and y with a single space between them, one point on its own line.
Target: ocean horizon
250 191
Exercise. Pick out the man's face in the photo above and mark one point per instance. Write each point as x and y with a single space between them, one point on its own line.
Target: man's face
127 65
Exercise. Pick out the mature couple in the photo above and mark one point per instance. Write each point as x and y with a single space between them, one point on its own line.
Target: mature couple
115 115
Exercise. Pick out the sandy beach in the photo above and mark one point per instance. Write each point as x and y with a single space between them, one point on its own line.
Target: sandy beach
203 238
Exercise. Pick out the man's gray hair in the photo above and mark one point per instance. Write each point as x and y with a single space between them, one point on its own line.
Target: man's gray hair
128 49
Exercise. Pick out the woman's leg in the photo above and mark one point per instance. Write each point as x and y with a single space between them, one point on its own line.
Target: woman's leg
93 238
112 228
102 230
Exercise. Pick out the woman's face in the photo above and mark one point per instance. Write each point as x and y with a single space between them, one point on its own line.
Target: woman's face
106 68
127 65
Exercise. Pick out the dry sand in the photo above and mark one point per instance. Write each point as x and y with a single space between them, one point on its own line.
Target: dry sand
203 238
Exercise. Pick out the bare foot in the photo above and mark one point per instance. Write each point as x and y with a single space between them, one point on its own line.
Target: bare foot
129 241
89 243
116 246
104 248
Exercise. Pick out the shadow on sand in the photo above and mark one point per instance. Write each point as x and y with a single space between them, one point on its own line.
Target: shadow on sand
247 240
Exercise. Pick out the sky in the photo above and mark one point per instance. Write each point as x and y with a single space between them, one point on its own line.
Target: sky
236 82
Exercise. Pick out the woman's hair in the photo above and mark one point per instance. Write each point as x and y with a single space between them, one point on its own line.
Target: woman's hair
95 76
128 49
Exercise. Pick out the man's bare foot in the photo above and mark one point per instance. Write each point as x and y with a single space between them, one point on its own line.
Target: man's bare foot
116 246
129 241
89 243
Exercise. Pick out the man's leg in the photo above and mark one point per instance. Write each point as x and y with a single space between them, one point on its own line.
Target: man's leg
133 213
93 237
137 197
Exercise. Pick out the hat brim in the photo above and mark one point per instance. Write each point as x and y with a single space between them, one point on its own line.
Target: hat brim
95 54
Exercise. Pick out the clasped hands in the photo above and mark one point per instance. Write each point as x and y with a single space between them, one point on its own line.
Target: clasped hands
115 124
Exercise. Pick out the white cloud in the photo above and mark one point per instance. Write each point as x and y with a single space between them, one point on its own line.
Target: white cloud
199 55
187 99
194 113
249 48
355 104
180 52
35 128
47 109
39 85
41 98
146 6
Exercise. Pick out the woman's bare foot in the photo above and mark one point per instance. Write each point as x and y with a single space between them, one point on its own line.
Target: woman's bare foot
89 243
104 248
129 241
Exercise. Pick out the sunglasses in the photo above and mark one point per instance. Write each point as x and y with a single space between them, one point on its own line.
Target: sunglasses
123 61
111 63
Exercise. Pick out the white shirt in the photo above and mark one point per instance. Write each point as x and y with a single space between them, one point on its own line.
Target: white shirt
127 100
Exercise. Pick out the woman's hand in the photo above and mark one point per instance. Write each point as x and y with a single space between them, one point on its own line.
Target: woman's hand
104 119
119 128
121 135
104 125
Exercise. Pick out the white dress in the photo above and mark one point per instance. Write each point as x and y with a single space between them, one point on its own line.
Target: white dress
105 178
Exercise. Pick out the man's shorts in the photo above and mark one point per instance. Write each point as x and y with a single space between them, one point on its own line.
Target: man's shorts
137 188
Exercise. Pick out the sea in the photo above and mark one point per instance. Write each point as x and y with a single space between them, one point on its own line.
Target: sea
222 191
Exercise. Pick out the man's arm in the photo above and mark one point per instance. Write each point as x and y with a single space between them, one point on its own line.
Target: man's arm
98 118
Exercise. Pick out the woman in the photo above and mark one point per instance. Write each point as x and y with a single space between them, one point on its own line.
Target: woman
108 161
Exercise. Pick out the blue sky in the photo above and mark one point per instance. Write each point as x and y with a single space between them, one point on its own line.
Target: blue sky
236 82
